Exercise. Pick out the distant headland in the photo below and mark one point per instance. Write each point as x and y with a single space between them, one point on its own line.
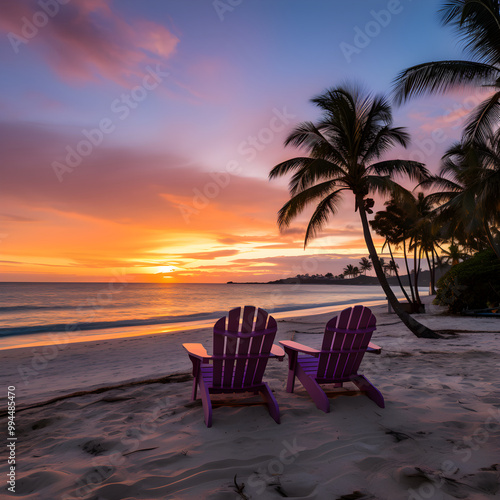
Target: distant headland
423 280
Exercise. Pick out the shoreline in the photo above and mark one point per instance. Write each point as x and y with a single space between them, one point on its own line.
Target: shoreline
114 419
22 340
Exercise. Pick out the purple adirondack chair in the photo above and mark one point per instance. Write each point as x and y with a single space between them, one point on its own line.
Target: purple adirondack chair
346 339
242 346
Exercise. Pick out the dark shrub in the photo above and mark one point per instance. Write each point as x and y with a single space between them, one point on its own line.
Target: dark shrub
473 284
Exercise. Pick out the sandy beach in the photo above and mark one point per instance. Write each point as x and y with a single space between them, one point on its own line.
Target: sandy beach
113 420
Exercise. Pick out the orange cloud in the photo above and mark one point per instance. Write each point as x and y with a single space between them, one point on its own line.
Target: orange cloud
87 41
210 255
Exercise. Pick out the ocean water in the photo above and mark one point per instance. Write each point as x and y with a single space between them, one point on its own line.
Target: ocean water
31 311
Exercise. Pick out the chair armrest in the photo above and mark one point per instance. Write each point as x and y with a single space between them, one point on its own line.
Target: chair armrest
295 346
374 348
197 351
277 351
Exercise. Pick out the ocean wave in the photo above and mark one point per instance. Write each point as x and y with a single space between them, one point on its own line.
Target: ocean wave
158 320
8 309
102 325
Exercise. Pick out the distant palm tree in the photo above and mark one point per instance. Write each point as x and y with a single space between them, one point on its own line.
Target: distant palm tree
478 24
365 265
394 225
453 255
409 224
387 268
423 235
349 270
343 147
393 267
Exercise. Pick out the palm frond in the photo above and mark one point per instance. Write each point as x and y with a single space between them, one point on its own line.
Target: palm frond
310 137
414 170
385 139
440 76
483 119
297 203
306 134
441 198
326 207
336 99
386 186
313 171
477 22
438 182
287 166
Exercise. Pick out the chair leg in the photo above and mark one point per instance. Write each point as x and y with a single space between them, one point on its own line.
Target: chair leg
195 389
371 391
196 375
292 365
314 390
290 385
207 403
272 404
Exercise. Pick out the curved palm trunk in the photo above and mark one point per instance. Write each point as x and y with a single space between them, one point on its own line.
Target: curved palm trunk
397 274
431 271
416 270
417 274
408 269
417 328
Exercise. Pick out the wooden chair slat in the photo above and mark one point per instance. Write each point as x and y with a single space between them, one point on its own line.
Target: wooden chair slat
261 320
247 320
233 323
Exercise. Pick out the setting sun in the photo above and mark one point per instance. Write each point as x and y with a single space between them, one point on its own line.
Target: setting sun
165 269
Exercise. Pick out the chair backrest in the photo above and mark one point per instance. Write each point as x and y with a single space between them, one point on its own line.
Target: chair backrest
345 342
242 345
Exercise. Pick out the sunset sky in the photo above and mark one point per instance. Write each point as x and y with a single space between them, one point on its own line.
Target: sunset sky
137 136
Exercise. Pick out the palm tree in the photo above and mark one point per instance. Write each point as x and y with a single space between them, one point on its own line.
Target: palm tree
394 225
478 24
470 183
343 147
453 255
410 219
383 265
393 267
365 265
349 270
387 268
423 236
